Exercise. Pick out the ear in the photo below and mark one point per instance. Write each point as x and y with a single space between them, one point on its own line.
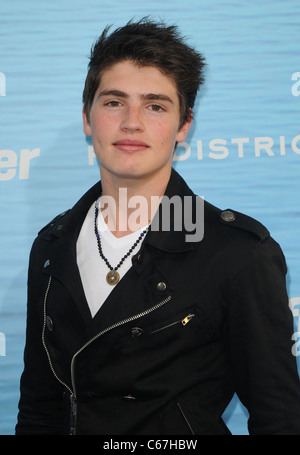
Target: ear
184 129
86 124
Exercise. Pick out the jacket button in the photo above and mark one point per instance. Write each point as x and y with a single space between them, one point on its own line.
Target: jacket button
136 332
47 263
228 216
129 397
161 286
59 227
49 323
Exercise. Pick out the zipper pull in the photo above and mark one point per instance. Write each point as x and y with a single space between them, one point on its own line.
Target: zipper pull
187 319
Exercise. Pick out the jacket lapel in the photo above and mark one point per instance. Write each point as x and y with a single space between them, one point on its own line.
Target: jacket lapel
60 249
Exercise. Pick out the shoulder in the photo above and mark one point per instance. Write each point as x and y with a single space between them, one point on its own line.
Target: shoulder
237 236
42 241
235 223
242 242
77 211
54 223
237 220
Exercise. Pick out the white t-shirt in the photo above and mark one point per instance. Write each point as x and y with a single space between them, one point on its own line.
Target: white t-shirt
92 268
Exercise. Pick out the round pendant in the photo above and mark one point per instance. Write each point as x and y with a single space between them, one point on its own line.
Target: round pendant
112 277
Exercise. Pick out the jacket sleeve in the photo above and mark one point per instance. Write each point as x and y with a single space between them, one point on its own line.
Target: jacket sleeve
260 328
41 397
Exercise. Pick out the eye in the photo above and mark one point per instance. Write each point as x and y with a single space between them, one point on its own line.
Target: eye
113 103
156 108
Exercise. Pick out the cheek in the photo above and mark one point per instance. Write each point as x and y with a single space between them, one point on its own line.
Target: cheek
168 136
166 131
101 125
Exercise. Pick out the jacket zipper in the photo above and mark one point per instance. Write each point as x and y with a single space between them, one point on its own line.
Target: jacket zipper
73 414
73 398
43 338
183 321
113 326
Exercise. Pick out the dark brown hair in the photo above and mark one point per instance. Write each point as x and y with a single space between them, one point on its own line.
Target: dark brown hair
148 43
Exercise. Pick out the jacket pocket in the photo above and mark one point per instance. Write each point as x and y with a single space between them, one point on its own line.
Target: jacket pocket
183 321
181 331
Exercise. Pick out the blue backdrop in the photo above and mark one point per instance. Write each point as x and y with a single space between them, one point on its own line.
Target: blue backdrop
243 151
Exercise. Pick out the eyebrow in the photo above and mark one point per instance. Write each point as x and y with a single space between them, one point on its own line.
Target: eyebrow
113 93
148 96
158 96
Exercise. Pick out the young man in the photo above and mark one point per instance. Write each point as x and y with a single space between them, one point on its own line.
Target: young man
134 327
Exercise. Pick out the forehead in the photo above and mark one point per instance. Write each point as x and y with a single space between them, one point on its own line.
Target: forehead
132 78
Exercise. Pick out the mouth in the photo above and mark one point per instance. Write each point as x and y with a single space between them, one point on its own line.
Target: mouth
130 145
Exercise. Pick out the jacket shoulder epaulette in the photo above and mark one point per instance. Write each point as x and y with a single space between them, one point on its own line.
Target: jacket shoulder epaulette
53 222
241 221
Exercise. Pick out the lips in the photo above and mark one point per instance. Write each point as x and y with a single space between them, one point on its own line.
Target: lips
130 145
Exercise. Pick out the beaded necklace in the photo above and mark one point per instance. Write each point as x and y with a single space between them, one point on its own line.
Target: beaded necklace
113 276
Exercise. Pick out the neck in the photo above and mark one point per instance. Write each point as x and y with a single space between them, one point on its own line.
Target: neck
129 204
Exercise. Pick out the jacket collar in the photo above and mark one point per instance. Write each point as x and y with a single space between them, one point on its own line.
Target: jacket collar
168 232
163 234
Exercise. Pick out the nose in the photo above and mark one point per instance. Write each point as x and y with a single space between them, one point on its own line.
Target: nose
132 120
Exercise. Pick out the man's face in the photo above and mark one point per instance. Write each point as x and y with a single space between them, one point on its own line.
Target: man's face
134 121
